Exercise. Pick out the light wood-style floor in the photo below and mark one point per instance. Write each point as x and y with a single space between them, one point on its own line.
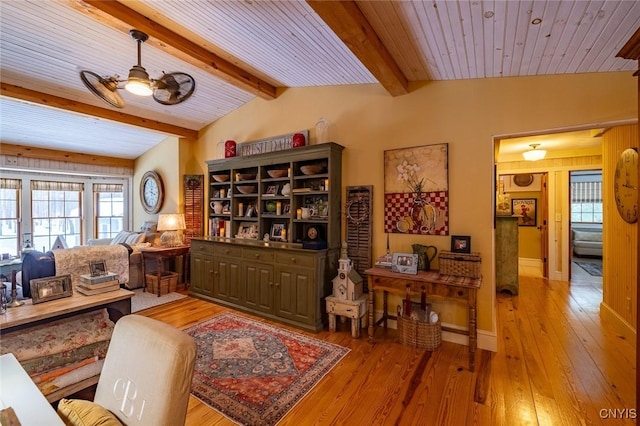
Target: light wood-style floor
556 365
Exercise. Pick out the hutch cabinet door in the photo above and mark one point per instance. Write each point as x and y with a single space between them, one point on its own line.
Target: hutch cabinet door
294 292
259 290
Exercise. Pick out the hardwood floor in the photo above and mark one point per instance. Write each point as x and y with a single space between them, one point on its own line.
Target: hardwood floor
556 365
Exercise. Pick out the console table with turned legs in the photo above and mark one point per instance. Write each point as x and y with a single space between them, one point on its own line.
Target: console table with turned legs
436 284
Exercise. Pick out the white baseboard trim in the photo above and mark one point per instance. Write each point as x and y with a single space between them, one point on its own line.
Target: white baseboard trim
486 340
533 263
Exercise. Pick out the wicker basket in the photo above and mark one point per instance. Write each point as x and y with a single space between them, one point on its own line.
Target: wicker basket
168 283
460 264
419 334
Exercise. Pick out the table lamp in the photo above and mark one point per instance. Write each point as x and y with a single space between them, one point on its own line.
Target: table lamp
171 223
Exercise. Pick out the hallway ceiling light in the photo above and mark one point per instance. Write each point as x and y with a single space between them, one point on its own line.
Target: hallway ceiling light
534 154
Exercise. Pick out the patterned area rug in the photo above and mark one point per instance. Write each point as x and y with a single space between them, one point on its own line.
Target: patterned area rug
254 373
593 269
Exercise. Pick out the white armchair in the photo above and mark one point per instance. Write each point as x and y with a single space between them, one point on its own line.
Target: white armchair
146 378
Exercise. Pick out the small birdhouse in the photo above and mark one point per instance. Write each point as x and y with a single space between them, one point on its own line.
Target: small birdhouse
347 285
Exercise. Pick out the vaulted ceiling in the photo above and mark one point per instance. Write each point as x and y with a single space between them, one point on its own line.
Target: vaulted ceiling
239 50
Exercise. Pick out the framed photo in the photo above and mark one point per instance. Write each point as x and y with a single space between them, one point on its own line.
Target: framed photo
277 230
272 190
525 209
97 268
50 288
286 208
406 263
251 211
460 244
247 230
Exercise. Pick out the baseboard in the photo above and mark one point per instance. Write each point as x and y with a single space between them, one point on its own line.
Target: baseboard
613 319
533 263
486 340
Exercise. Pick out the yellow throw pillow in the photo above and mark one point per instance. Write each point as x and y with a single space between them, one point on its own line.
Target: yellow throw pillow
78 412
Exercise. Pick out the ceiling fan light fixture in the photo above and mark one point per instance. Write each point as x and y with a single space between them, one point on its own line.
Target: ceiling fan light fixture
170 89
138 82
534 154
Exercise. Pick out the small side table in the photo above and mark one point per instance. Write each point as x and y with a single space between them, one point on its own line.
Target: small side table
354 309
158 254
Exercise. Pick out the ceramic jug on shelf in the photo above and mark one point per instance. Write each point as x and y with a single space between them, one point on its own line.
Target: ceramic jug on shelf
216 206
286 190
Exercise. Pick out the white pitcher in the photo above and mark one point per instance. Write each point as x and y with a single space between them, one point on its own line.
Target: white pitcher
216 206
307 212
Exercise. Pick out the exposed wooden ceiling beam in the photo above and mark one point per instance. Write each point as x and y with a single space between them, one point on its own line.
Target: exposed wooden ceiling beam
40 98
63 156
349 23
123 18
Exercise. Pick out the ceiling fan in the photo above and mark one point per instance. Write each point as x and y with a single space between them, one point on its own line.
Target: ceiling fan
170 89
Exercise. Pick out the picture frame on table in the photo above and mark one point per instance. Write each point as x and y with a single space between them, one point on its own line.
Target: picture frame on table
97 268
405 263
50 288
460 244
277 230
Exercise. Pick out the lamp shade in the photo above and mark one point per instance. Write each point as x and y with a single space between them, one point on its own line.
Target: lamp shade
534 154
171 223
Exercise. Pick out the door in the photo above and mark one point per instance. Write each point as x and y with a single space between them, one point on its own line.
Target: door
544 228
294 293
202 274
259 291
227 280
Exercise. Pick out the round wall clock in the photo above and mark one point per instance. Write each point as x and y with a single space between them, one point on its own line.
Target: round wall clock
625 185
151 192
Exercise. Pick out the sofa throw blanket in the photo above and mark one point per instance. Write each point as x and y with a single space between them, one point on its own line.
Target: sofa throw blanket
62 352
75 261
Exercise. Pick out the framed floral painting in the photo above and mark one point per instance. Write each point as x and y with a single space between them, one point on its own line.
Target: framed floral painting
416 190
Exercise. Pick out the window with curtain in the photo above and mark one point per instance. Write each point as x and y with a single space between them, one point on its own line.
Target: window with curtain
109 208
56 210
10 216
586 197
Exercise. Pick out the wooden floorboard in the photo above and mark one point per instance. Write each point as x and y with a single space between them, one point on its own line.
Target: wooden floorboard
556 365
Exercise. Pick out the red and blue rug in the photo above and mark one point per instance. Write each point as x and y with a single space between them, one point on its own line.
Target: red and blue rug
254 373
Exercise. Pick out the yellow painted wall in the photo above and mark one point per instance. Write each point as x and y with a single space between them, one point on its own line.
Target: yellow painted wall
620 240
465 114
164 158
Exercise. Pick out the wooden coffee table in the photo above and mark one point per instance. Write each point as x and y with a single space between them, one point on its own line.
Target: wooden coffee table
117 302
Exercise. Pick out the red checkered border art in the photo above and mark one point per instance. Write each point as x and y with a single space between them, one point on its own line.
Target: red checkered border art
399 205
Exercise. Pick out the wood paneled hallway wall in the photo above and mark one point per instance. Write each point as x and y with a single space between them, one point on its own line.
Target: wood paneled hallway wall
557 364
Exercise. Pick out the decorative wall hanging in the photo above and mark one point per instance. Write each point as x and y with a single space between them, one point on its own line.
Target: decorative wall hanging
525 209
275 143
416 190
359 228
193 206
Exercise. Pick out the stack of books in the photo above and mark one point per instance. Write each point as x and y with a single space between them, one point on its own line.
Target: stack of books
90 285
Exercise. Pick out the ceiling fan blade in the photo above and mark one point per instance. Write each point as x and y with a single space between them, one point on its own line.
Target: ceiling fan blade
104 88
173 88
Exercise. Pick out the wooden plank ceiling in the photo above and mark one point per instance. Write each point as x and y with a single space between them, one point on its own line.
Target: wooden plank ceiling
239 50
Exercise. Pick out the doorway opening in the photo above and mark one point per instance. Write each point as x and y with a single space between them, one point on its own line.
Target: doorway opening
586 212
